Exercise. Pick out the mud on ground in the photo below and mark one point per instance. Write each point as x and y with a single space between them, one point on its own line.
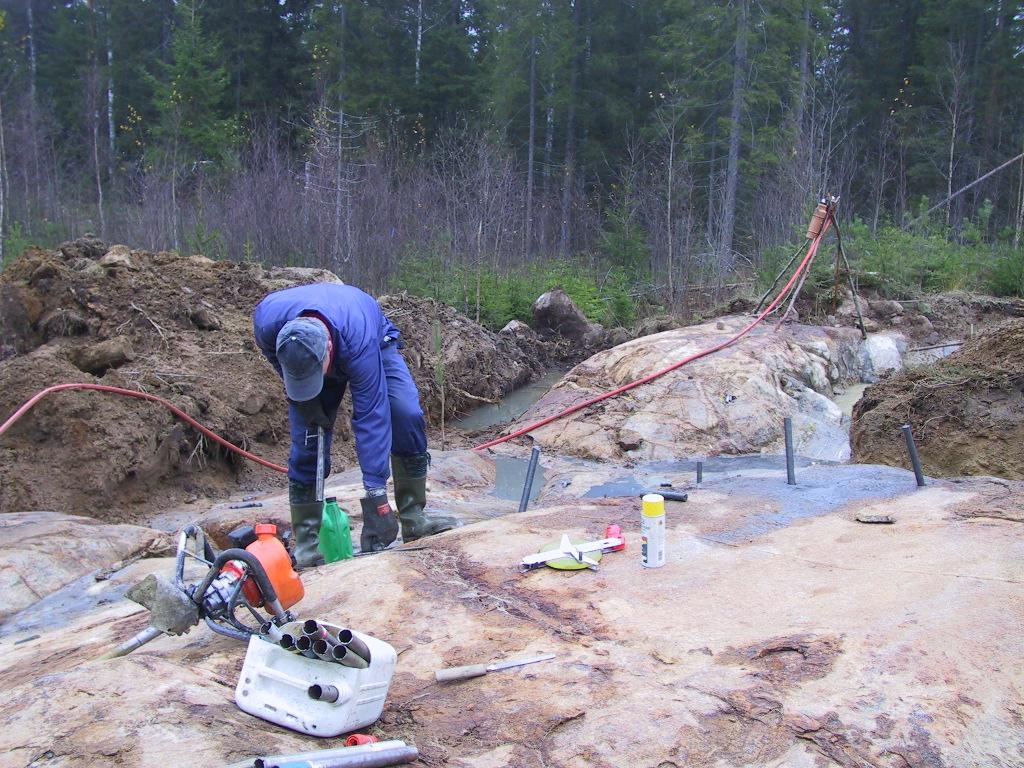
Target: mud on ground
180 327
966 410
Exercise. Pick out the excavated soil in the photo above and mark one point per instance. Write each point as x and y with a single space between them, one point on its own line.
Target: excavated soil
966 410
180 327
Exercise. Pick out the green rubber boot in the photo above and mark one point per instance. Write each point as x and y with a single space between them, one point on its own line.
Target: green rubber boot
307 513
410 475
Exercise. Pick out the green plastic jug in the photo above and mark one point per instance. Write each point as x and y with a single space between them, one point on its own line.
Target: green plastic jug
335 535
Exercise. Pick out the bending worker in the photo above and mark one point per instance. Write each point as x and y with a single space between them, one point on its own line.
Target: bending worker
321 339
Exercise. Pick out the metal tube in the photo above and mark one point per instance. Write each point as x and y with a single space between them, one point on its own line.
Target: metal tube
304 643
323 650
377 750
354 644
288 643
531 469
700 472
271 630
326 693
319 463
381 759
313 629
136 641
348 658
915 460
787 425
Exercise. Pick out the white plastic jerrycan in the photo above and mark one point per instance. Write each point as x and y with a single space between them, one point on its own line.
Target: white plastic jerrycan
289 689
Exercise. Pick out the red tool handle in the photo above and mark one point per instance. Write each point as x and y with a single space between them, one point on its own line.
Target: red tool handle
614 531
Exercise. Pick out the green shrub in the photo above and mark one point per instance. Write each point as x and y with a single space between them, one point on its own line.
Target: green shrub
602 294
900 263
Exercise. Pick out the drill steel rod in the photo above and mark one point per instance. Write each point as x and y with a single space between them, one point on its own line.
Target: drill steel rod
377 749
784 270
849 278
915 460
320 464
787 425
700 472
531 469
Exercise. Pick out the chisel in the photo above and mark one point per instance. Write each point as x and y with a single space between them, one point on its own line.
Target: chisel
476 670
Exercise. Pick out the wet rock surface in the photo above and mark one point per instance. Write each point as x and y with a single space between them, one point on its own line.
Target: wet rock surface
816 642
731 402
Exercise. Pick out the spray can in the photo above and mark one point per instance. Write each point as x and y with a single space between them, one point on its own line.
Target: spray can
652 530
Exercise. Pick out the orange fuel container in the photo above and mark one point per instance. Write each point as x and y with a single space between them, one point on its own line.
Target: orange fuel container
274 558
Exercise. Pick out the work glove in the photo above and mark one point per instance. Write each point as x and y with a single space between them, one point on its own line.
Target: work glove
380 524
313 415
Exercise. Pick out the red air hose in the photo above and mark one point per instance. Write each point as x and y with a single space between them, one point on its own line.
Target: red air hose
141 396
518 433
696 356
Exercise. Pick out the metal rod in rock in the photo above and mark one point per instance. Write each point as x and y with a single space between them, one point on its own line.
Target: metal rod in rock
915 460
787 425
531 470
784 270
849 278
700 472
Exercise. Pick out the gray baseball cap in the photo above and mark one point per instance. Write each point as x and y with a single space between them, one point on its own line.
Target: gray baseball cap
301 350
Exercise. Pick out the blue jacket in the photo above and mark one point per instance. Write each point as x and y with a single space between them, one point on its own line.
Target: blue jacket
358 329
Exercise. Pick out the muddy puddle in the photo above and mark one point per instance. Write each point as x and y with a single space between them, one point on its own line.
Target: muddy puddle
511 407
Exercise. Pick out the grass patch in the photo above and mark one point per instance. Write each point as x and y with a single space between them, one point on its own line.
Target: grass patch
602 293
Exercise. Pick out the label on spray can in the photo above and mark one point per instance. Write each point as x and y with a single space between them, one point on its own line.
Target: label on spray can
652 530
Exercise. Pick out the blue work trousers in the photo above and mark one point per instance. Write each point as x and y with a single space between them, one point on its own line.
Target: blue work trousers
408 436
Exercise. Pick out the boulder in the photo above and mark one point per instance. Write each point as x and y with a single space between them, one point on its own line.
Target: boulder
98 358
880 354
556 313
118 257
733 401
885 309
88 246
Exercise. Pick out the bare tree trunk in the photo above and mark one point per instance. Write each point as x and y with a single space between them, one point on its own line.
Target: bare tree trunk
111 128
569 178
670 266
419 39
801 94
954 103
545 174
93 98
528 239
1017 231
32 104
342 211
732 173
3 182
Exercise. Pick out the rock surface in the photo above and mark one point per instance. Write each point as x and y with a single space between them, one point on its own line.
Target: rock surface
733 401
779 633
44 551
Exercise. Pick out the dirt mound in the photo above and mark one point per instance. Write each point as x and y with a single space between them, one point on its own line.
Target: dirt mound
967 410
458 364
178 327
